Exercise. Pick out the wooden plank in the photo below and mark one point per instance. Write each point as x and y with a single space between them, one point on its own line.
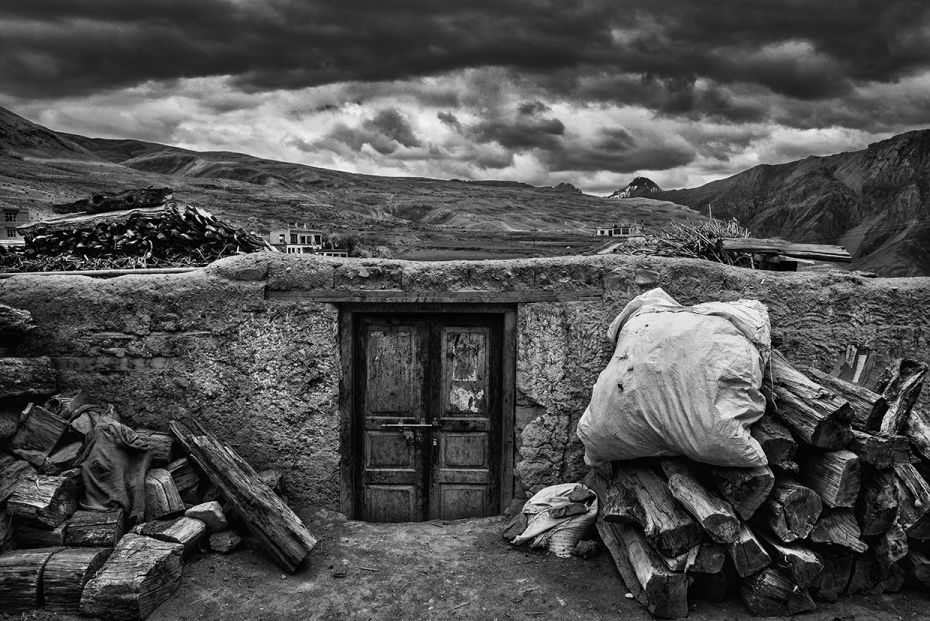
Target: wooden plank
508 407
821 252
400 296
281 532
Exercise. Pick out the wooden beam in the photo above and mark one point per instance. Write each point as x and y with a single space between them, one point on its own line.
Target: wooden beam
821 252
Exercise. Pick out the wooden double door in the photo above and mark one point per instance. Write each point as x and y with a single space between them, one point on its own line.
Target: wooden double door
428 416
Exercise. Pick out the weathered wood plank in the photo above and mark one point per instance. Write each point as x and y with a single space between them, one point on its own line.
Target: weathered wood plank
95 529
900 385
880 450
821 252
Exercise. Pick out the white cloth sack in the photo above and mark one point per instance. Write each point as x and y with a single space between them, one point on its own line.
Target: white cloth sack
559 534
682 381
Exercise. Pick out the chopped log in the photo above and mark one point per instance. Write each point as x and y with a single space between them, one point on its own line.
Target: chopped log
801 563
140 574
211 514
817 416
780 247
37 435
777 443
31 536
913 496
881 450
66 404
14 323
832 581
184 475
12 471
21 579
26 377
868 577
877 506
10 411
709 559
681 562
772 593
95 529
225 541
663 592
161 496
708 587
714 514
639 495
838 527
917 430
744 488
835 475
184 530
281 532
918 567
900 385
47 500
790 511
161 445
868 407
65 575
65 458
747 553
890 547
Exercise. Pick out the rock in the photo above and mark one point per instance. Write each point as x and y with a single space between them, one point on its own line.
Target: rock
225 541
211 514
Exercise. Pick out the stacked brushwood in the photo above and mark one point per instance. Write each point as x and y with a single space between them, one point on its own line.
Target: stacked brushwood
58 556
842 507
141 234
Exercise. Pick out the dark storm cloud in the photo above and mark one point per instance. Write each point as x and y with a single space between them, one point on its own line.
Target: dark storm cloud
802 49
521 134
617 150
385 133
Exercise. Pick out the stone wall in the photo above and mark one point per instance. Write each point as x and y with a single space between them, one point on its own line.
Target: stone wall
264 373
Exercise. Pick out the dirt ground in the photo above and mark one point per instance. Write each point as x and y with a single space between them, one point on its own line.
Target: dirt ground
457 570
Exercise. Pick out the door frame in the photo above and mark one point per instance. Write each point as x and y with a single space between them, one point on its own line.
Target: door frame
347 423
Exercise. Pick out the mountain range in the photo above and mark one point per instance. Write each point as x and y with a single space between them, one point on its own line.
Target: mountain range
874 201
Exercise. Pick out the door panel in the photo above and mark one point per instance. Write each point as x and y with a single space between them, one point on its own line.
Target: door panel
430 416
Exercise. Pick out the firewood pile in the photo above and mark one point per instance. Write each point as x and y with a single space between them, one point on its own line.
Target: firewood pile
56 554
134 233
842 508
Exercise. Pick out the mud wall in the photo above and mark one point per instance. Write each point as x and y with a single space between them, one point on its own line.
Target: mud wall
263 372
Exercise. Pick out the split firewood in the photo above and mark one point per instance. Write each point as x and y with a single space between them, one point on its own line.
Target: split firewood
65 575
917 430
900 385
281 532
868 407
777 443
95 529
709 559
877 506
868 577
161 445
161 496
139 575
891 546
38 435
790 512
714 514
747 553
913 497
684 560
772 593
663 592
708 587
21 579
881 450
639 495
65 405
46 500
832 580
12 471
184 530
184 475
835 475
27 377
817 416
29 535
65 458
918 567
802 564
839 527
744 488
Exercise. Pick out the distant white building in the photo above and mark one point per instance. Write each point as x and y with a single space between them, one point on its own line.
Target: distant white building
13 217
622 230
301 239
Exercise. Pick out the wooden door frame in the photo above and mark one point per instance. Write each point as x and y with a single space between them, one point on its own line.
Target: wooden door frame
347 423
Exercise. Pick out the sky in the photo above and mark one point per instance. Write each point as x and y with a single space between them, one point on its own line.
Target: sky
590 93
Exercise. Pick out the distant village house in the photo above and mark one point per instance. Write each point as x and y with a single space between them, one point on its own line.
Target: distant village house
622 230
301 239
13 217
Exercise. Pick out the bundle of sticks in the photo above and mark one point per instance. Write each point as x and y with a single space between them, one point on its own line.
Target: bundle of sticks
842 507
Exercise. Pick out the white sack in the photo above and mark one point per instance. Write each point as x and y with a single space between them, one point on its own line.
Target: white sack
682 381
